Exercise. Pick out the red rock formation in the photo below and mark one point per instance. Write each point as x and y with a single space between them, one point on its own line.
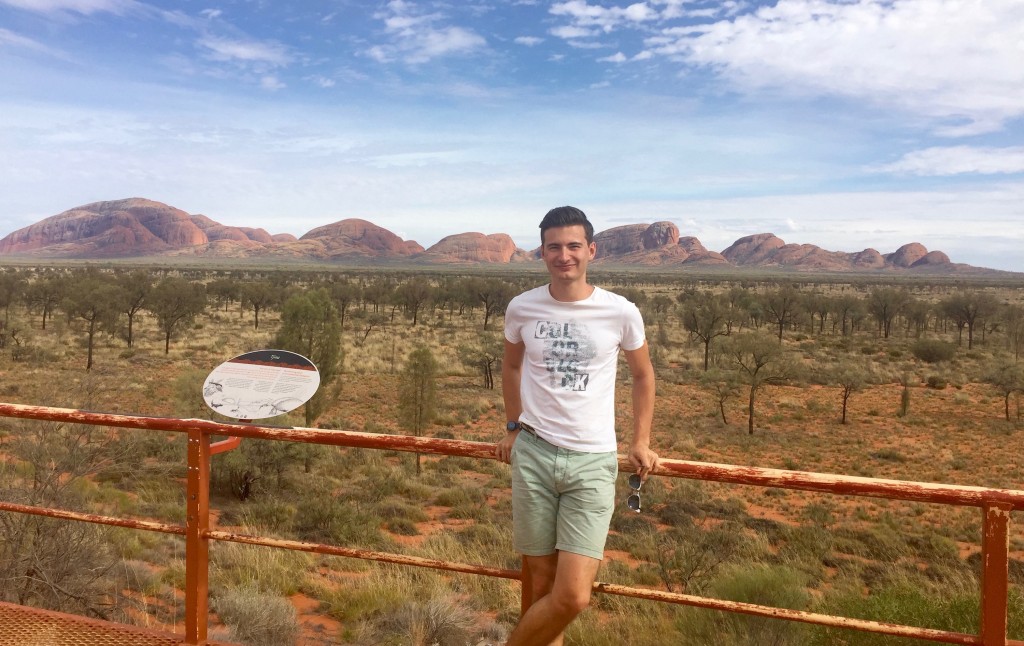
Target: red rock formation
472 247
752 250
906 255
932 258
136 227
697 253
354 237
868 259
123 227
633 238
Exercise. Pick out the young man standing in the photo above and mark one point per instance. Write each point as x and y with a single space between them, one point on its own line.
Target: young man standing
562 344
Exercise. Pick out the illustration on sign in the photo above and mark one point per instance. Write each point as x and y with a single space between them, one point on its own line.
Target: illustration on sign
261 384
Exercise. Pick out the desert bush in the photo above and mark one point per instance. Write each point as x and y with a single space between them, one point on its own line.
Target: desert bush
256 618
338 522
933 350
911 600
936 382
264 515
889 455
234 565
435 622
771 585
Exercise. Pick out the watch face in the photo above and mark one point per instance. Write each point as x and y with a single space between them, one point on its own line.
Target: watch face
512 426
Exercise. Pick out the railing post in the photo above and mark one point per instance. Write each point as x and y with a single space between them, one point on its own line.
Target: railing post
995 556
197 547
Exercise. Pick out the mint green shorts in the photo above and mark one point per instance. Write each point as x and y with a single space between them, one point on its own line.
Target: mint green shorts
561 499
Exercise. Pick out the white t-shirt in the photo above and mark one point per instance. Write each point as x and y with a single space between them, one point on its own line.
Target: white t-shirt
572 351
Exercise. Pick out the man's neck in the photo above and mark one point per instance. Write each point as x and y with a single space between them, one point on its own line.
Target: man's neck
567 292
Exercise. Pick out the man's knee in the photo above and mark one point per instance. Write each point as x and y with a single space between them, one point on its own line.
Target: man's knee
570 602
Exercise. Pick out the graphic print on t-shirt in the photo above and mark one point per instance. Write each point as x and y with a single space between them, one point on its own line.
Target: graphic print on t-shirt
568 350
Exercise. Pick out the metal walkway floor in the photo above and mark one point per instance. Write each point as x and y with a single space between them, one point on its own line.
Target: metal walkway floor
24 626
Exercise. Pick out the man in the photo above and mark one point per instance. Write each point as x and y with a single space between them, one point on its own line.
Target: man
562 343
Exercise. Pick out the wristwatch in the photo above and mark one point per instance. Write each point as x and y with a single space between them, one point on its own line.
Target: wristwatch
513 426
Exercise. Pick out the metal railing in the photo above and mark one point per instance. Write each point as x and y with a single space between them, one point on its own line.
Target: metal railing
995 504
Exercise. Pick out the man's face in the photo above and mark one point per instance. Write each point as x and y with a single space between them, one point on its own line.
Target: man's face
566 252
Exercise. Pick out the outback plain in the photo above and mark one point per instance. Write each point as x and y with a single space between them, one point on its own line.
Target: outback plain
908 378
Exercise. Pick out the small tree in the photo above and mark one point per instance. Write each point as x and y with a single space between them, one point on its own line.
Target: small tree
781 306
259 296
885 304
484 356
176 302
95 301
44 295
133 291
1012 319
760 361
417 394
724 385
850 377
310 326
413 295
11 287
1008 378
704 316
904 395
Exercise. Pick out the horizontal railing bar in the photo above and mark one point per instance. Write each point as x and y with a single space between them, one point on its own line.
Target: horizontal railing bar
147 525
611 588
866 625
959 495
801 480
370 555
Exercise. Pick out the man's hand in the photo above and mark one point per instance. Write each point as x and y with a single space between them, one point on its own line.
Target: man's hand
643 459
503 450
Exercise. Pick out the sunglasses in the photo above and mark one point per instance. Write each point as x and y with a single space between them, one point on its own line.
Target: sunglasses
633 502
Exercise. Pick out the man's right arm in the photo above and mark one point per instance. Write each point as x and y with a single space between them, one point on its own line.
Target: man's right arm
511 379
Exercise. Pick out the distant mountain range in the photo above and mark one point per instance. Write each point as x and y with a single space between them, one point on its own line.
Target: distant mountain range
138 227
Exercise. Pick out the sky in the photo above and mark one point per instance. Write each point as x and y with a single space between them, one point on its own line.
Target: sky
847 124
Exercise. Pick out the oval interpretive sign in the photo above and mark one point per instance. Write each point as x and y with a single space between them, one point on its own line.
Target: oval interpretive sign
261 384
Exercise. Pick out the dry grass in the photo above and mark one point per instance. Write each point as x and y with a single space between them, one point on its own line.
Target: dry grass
792 542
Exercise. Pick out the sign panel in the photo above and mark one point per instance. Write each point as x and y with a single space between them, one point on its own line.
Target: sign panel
261 384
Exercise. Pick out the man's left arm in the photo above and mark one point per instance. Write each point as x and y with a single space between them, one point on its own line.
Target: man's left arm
640 454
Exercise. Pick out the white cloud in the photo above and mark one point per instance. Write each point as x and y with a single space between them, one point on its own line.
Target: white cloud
211 13
955 62
617 57
529 41
246 51
11 39
84 7
957 160
322 81
568 32
271 82
418 38
606 19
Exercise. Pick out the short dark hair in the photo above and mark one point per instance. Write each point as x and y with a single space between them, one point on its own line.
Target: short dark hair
566 216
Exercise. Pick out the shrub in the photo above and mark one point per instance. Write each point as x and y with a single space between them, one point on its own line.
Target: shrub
256 618
936 382
933 350
437 622
891 455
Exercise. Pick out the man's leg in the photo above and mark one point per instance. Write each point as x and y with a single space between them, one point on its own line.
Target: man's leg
548 616
540 576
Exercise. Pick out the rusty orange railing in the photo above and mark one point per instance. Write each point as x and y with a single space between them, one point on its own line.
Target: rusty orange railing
996 505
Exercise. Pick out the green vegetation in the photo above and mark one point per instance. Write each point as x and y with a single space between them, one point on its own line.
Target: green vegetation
830 368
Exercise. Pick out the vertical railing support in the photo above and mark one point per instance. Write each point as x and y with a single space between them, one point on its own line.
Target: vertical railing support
995 558
197 547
